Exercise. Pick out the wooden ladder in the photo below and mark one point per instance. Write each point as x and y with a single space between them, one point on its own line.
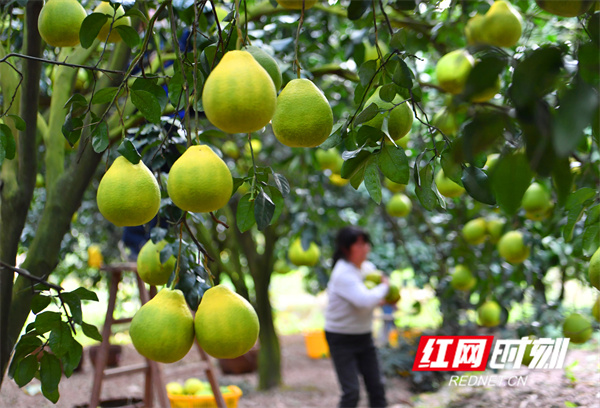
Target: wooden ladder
154 380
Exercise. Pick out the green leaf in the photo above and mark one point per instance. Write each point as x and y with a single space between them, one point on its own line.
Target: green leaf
129 35
574 214
511 176
90 28
368 134
60 339
85 294
50 374
147 104
353 164
477 185
593 216
150 85
423 190
387 93
579 197
47 321
535 76
77 105
591 239
100 140
105 95
394 164
134 12
245 213
398 40
91 331
264 208
71 129
452 169
128 150
27 344
71 360
39 302
373 181
367 72
403 75
578 107
279 202
26 370
484 75
367 114
357 8
282 184
176 90
74 303
562 179
19 123
482 132
8 147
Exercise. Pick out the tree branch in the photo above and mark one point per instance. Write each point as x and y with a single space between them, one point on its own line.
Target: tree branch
26 274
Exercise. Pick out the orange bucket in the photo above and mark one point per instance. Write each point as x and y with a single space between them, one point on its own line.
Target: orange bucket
316 344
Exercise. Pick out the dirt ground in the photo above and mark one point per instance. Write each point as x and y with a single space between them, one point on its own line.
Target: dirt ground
311 383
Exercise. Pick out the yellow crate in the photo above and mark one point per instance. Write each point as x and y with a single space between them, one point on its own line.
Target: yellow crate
316 344
205 401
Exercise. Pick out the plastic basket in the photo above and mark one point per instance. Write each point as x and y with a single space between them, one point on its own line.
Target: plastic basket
316 344
205 401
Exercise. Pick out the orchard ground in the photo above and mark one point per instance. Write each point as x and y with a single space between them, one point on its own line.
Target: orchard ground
577 384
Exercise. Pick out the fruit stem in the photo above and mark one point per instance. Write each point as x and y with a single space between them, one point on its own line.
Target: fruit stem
241 39
253 167
300 21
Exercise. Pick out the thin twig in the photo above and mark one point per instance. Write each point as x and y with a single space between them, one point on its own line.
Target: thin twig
218 221
300 21
28 275
66 64
198 244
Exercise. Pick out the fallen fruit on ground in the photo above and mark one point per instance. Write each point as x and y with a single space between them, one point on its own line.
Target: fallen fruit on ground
299 257
59 22
303 117
239 95
489 314
106 8
577 328
226 324
128 194
512 247
149 267
163 329
200 181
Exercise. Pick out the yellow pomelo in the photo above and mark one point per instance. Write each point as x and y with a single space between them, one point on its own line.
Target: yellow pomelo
192 385
512 247
174 388
268 63
399 205
393 295
149 267
95 259
199 181
374 276
371 51
226 323
452 70
596 310
446 186
106 8
128 194
502 26
239 95
462 278
393 186
565 8
296 4
59 22
298 256
329 159
474 28
281 266
487 94
163 329
491 161
577 328
494 229
400 118
489 314
445 121
303 117
594 269
338 180
255 146
474 231
230 149
536 199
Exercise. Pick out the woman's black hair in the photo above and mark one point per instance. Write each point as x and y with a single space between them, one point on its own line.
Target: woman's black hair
345 238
